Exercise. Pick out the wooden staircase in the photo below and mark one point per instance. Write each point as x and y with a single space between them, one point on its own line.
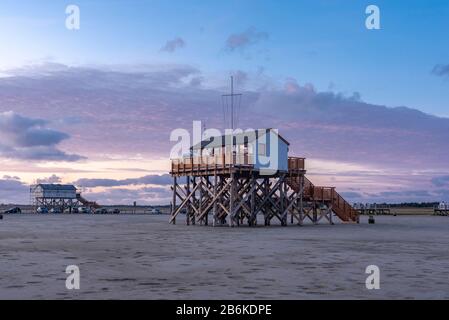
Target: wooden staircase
318 194
85 202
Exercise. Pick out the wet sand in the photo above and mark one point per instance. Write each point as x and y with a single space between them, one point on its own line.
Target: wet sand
143 257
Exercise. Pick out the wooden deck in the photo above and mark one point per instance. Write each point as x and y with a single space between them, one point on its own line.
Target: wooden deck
225 165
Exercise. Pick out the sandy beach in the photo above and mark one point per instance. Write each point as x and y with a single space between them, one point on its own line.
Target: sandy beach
143 257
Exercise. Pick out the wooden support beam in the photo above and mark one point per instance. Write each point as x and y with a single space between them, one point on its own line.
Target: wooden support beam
188 213
173 220
178 210
253 218
216 197
239 196
232 200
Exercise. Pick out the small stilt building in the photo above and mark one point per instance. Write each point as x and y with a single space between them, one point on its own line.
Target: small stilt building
59 197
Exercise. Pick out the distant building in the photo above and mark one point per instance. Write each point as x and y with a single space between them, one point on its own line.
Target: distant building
54 191
59 197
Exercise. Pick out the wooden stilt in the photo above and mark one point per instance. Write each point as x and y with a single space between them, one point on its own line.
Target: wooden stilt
215 213
231 200
188 211
175 186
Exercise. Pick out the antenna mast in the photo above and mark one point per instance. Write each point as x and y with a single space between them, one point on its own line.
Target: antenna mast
232 95
232 102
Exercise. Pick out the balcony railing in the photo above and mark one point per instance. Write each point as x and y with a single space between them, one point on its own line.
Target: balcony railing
295 163
207 162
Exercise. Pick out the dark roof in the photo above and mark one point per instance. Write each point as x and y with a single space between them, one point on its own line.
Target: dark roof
65 187
239 138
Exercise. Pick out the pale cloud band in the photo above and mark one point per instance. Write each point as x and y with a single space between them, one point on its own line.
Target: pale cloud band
131 111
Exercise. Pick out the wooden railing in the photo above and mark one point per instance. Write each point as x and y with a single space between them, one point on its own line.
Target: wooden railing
211 162
343 209
323 193
327 194
295 163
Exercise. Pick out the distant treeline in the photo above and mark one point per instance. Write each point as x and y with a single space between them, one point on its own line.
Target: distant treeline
414 204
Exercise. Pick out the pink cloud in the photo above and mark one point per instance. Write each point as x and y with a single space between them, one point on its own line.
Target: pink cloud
132 111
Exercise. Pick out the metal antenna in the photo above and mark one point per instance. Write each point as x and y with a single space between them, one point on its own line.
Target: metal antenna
232 95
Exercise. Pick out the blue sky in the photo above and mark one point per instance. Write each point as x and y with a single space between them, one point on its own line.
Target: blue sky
97 105
320 42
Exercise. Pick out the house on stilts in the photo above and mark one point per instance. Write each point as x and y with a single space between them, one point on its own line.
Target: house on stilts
243 177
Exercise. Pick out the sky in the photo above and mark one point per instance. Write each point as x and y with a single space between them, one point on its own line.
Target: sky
95 106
